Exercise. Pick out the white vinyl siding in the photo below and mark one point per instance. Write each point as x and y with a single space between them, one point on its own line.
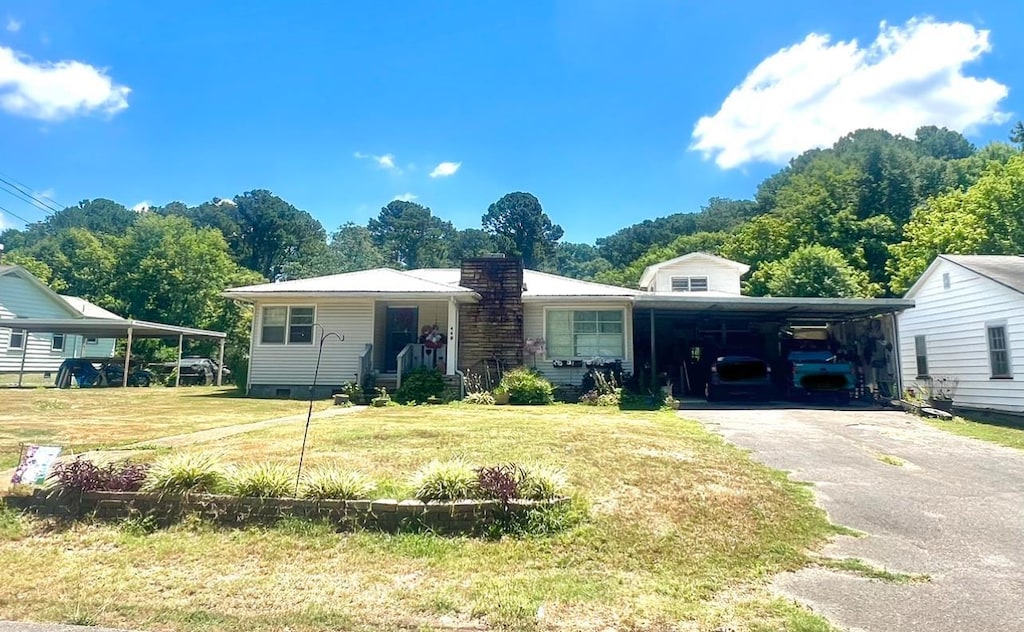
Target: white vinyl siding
293 364
20 297
17 340
717 276
955 323
535 324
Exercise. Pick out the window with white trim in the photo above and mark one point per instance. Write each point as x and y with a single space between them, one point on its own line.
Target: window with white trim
17 340
91 341
998 351
57 342
921 351
585 334
287 325
689 284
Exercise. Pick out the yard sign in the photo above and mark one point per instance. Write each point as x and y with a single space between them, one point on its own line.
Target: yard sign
35 465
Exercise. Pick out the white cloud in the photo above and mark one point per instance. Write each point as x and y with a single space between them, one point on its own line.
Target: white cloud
445 169
405 197
386 161
52 91
223 201
3 222
142 206
13 26
814 92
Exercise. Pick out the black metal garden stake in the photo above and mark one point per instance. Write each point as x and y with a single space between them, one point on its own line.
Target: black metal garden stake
312 390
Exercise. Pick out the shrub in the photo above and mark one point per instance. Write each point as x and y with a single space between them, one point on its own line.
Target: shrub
538 482
527 387
81 475
479 398
260 480
184 472
445 480
499 482
336 484
420 384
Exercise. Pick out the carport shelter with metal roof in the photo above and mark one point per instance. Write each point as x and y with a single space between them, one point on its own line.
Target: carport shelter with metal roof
119 328
677 333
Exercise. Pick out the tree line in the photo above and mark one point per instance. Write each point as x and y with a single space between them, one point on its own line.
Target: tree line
861 218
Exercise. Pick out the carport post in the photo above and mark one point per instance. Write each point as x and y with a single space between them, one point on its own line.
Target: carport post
24 352
654 368
177 374
127 358
220 364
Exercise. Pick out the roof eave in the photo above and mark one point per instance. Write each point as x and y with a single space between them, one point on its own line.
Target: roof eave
252 297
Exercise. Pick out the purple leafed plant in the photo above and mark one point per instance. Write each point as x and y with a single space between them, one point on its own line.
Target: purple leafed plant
500 482
85 476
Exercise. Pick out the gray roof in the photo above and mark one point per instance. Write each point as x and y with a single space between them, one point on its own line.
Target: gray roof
1005 270
5 269
375 282
537 284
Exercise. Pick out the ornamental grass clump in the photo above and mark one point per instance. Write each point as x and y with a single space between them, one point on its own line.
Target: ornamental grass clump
260 480
185 472
336 484
539 482
446 480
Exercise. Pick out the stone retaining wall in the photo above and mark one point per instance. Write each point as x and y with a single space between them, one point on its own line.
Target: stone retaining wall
463 516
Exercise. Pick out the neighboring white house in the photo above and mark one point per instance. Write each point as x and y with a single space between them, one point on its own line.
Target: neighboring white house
696 272
966 332
24 296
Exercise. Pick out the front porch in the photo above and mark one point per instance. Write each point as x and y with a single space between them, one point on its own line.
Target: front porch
408 335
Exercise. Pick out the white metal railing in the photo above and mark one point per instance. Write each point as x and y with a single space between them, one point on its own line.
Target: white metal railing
365 364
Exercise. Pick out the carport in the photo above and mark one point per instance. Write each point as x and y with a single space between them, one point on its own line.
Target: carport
674 334
119 328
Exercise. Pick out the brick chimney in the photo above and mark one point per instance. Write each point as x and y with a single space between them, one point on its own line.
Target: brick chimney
491 329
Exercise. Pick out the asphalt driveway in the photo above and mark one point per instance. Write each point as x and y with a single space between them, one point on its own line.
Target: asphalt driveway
954 511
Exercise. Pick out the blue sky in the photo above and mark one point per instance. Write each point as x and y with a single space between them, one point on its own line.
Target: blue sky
609 112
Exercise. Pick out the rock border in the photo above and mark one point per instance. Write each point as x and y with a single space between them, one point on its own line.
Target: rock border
458 517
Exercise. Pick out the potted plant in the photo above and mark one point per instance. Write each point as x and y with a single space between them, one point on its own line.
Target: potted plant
382 399
500 396
940 392
434 399
670 400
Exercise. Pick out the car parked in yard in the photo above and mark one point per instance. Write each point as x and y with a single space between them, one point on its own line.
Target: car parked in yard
195 371
819 372
739 376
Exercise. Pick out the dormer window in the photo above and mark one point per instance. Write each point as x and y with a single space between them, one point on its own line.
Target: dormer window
689 284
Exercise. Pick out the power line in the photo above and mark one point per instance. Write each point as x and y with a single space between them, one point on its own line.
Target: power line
26 196
43 199
22 199
15 215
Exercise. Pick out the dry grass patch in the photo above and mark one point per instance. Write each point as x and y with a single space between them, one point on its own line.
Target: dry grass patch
82 419
666 541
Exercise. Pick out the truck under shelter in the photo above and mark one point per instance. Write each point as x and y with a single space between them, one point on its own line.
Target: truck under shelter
677 336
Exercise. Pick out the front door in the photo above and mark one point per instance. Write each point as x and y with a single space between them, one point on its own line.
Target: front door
400 330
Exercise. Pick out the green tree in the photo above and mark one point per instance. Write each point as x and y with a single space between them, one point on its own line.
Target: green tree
351 248
522 228
410 236
82 263
987 218
629 276
36 268
578 261
1017 134
471 242
812 271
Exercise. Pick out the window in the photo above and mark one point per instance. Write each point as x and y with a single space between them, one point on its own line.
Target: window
17 339
91 341
690 284
945 280
921 349
57 342
293 325
998 353
585 334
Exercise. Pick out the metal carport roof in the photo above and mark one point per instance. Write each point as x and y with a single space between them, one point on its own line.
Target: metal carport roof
773 306
108 328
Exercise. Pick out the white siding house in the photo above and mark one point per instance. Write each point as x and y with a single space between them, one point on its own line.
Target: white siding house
696 273
24 296
966 332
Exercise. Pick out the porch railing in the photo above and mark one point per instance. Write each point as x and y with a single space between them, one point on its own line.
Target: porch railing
413 356
365 364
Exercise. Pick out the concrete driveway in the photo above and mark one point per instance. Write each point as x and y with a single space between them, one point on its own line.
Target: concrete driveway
954 510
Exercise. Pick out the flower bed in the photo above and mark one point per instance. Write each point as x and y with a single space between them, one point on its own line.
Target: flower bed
456 517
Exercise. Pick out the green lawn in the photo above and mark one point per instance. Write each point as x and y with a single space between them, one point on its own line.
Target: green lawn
1003 435
679 531
81 419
